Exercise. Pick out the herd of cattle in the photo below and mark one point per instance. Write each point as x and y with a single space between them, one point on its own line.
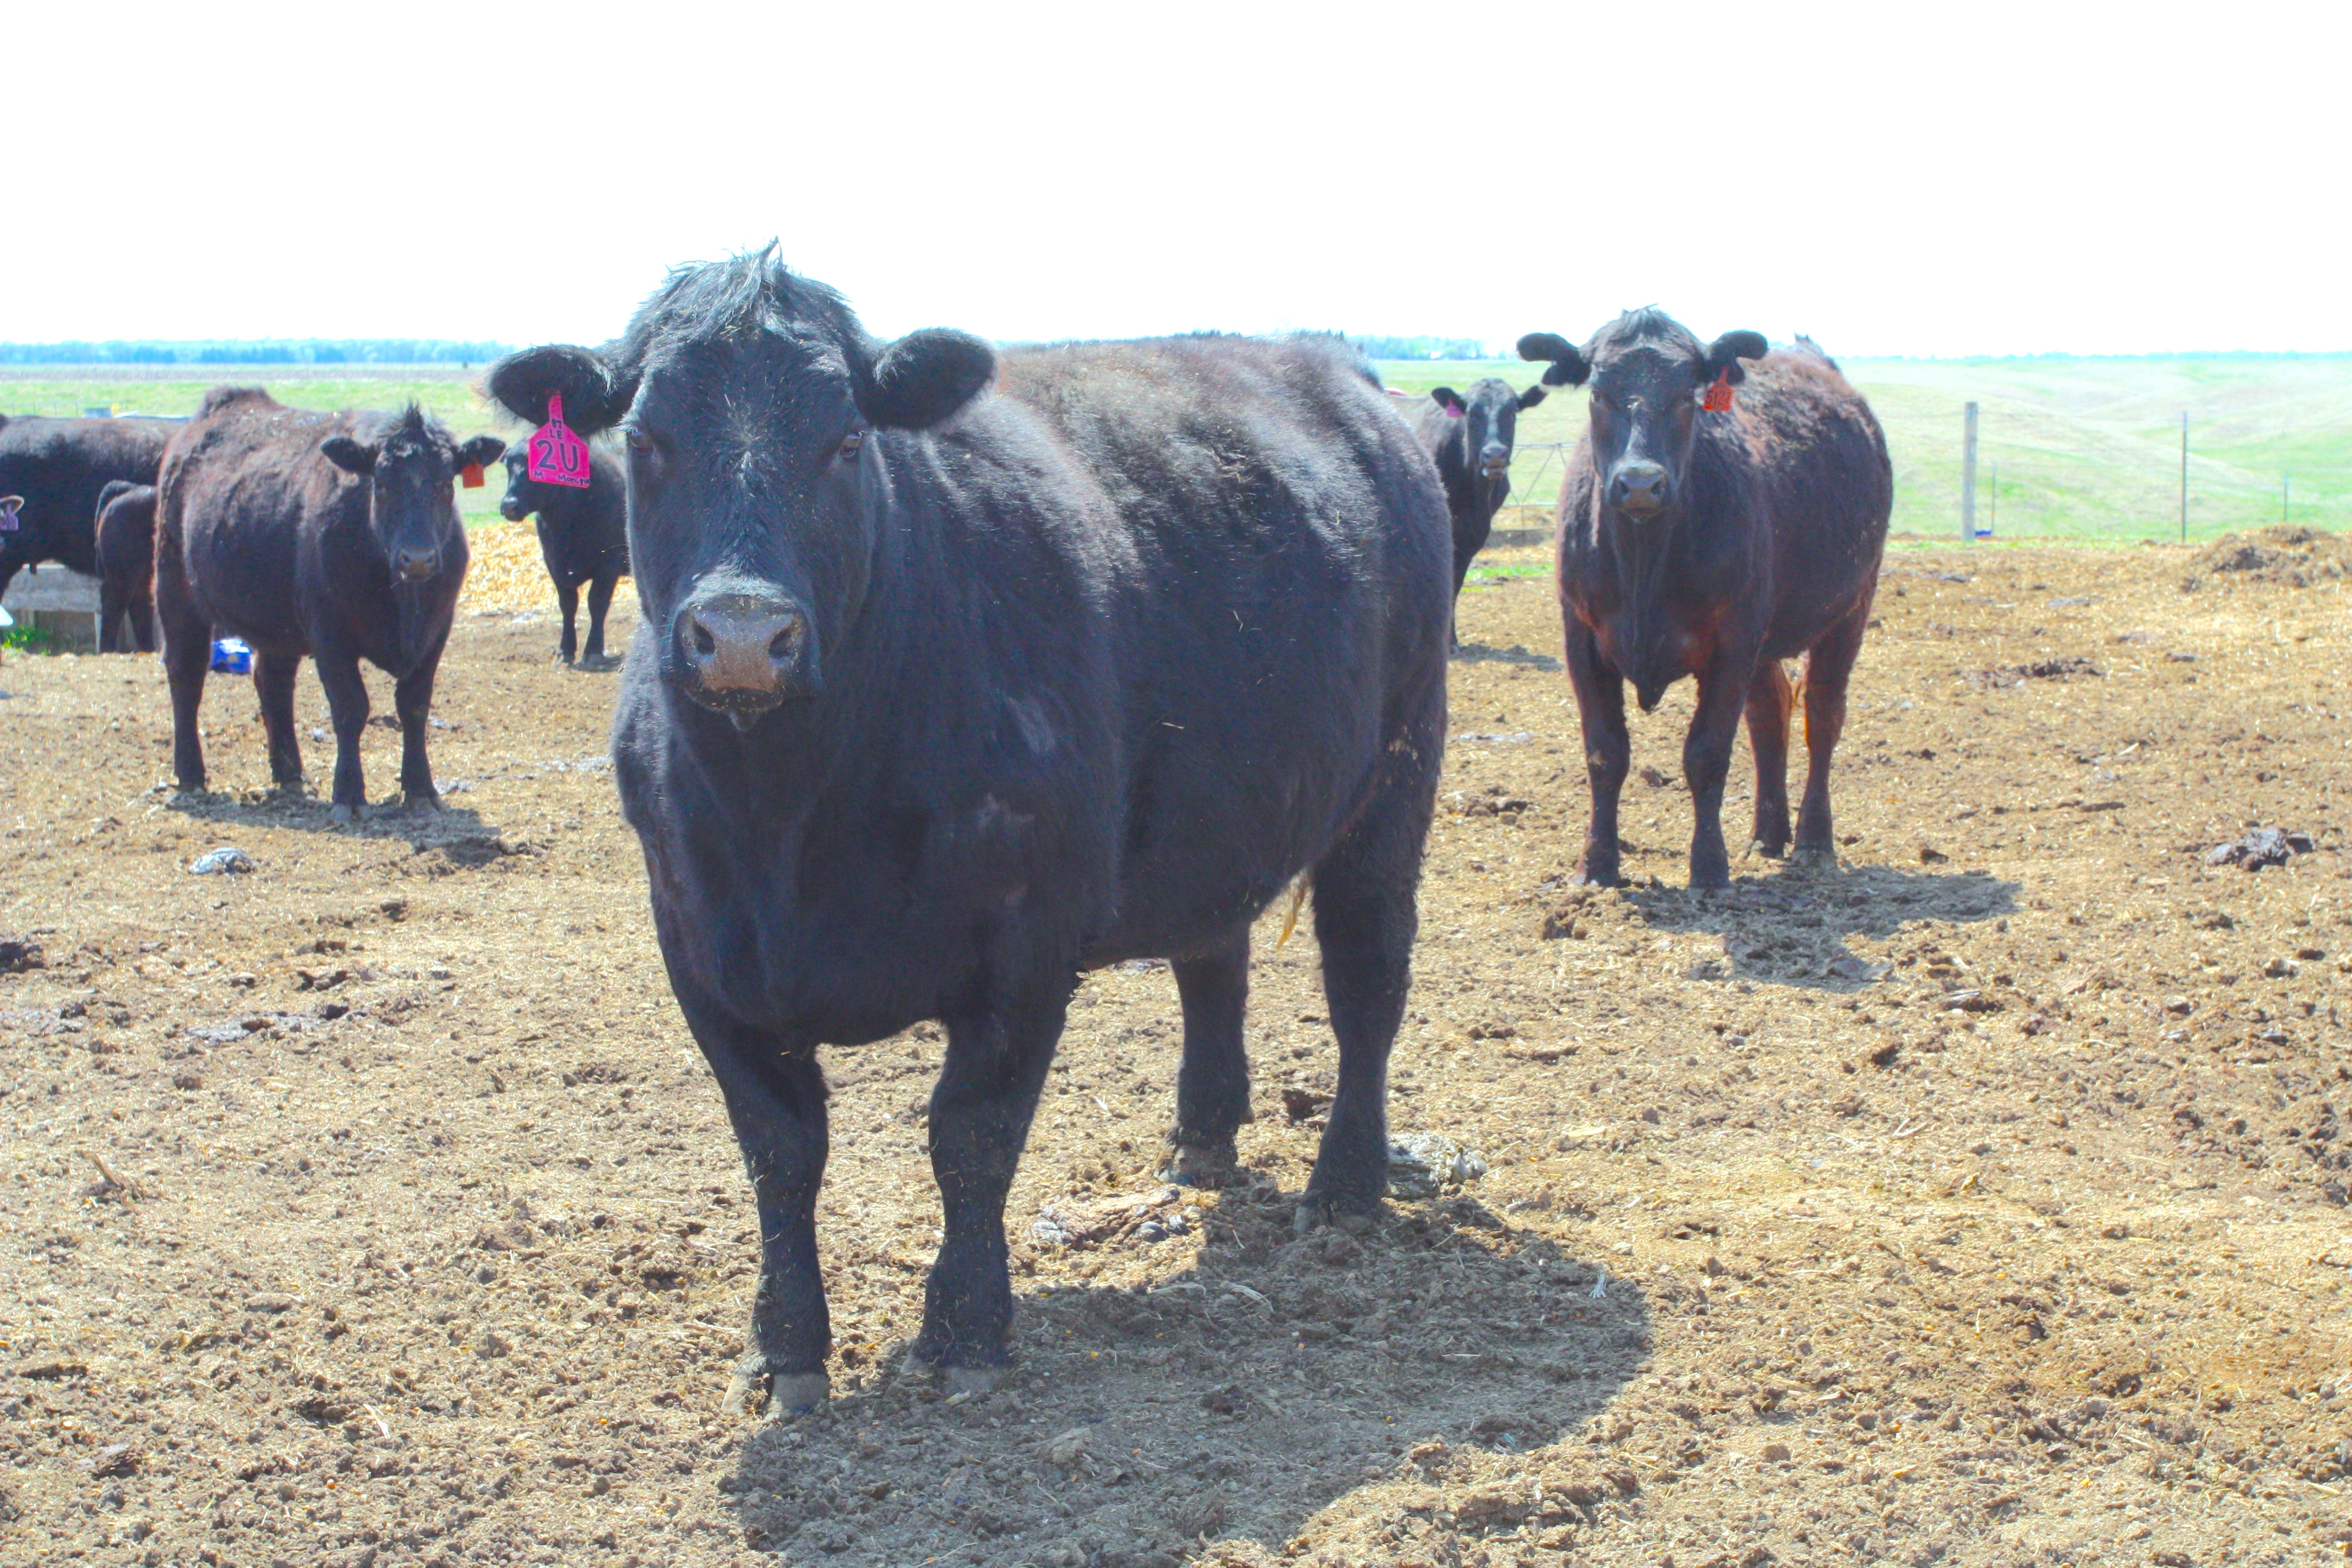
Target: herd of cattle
964 671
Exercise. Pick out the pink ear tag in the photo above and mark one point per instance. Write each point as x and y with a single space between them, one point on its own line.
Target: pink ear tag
1453 411
557 457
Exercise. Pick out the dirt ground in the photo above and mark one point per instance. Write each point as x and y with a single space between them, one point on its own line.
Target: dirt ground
1982 1201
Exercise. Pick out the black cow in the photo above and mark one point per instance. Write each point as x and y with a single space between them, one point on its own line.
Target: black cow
1471 437
583 537
58 467
334 535
947 694
1715 542
126 567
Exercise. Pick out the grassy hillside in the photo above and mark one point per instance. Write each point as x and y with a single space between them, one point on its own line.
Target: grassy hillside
2087 449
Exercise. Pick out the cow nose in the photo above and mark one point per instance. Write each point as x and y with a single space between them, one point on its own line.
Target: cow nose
1639 489
414 565
742 648
1496 454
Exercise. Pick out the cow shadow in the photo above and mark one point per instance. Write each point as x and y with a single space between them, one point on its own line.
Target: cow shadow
1518 654
457 829
1791 926
1232 1400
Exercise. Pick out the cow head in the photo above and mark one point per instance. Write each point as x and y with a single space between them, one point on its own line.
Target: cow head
411 465
756 412
1647 373
1490 421
524 495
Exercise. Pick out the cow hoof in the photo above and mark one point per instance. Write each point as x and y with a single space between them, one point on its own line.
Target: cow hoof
1814 858
345 816
1759 849
422 803
753 1390
1201 1165
1316 1211
973 1380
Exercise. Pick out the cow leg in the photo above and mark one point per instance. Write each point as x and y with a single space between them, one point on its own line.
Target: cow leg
347 701
1768 737
1827 670
1608 751
600 600
775 1097
273 683
187 659
1365 919
567 595
1706 760
1212 1084
980 1110
113 605
143 615
412 698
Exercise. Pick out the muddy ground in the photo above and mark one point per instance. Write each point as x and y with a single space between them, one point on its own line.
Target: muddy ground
1982 1201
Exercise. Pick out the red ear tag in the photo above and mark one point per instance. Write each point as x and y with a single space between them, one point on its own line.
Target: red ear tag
1718 395
556 456
471 476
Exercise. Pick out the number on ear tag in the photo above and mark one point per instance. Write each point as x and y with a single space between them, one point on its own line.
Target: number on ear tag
556 456
471 476
8 505
1718 395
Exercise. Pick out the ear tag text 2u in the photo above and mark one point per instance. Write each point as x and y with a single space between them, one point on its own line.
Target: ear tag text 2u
471 476
556 456
1718 395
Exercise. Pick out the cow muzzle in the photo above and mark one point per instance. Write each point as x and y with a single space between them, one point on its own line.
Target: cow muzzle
1639 489
743 653
511 507
1495 460
411 564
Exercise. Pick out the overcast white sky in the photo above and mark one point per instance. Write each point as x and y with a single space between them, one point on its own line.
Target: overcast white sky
1892 178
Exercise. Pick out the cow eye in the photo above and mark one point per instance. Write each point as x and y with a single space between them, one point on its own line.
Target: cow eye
639 442
851 442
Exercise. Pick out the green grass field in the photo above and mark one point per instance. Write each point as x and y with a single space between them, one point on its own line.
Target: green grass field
443 391
2087 449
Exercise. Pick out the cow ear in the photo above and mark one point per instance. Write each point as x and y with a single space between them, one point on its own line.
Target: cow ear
1446 397
480 452
1724 354
1568 366
348 455
594 395
925 378
1531 397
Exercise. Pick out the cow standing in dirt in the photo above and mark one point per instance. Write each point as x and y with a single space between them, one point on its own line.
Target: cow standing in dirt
58 467
1716 518
964 674
583 537
1471 439
126 567
334 535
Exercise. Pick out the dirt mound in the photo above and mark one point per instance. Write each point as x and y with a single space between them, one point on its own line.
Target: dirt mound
2295 557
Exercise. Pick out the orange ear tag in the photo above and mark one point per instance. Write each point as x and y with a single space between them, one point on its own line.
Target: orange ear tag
1718 395
472 476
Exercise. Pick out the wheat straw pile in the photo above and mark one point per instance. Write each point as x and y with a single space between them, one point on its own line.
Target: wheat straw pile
507 574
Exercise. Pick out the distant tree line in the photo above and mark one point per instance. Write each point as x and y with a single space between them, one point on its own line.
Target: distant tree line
256 350
1420 348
